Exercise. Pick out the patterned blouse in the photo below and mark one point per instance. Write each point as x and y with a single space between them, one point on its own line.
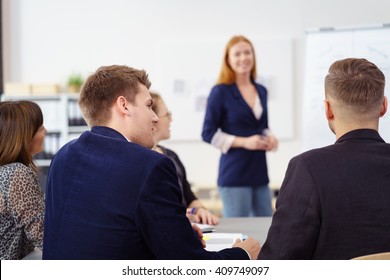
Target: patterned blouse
21 211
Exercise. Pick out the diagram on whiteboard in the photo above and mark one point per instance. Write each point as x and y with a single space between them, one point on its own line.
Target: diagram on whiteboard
322 49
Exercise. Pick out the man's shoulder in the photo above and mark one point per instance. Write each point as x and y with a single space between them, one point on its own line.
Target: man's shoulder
316 152
148 158
318 156
92 144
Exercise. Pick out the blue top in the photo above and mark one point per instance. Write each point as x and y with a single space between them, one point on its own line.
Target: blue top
227 110
107 198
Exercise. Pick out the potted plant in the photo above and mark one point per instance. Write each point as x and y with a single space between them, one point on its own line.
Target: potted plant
75 81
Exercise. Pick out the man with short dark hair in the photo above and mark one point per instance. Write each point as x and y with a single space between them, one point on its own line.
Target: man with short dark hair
334 202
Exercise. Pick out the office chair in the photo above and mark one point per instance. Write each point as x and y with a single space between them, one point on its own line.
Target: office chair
379 256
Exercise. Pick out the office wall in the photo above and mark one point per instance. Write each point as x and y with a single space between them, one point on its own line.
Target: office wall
46 40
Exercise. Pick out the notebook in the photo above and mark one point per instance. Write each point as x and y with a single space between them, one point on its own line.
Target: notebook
217 241
205 228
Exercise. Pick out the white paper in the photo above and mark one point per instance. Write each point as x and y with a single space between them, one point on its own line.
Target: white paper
216 241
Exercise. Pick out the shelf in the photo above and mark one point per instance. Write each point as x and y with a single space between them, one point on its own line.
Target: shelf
53 131
43 162
32 97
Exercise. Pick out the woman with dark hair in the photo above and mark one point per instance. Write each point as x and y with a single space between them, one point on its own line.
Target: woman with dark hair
21 203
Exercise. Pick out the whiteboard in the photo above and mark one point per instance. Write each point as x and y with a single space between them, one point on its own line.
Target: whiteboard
323 47
188 71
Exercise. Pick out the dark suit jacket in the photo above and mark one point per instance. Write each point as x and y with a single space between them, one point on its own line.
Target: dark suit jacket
107 198
334 202
187 195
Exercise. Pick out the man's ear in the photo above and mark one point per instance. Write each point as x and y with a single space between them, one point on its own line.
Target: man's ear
384 107
123 106
328 110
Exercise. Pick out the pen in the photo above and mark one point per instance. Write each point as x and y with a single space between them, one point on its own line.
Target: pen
191 211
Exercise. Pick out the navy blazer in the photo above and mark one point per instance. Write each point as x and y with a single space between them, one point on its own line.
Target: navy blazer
227 110
107 198
334 202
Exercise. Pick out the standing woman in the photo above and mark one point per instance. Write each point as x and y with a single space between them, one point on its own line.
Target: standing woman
196 212
21 202
236 122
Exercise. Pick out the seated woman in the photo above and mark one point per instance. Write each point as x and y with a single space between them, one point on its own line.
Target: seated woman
196 212
21 203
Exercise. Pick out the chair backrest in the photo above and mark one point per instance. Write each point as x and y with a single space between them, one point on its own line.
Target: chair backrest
379 256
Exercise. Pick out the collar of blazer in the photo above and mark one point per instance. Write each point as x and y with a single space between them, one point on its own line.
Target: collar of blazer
369 134
237 95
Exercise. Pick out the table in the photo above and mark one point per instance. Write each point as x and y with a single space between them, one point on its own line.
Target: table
256 227
35 254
